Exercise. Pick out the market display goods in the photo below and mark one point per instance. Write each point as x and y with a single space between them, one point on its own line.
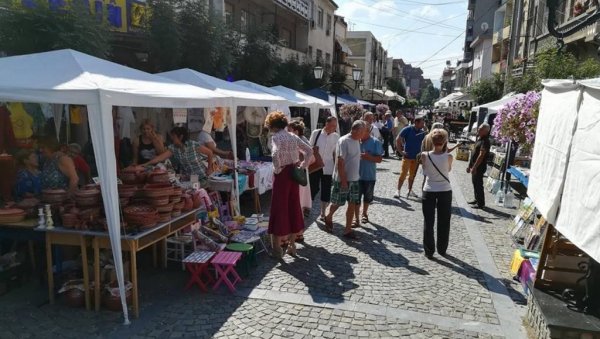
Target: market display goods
141 215
70 220
168 208
54 196
133 176
87 198
164 217
175 198
124 201
178 205
176 213
127 191
158 177
158 190
12 215
89 213
158 201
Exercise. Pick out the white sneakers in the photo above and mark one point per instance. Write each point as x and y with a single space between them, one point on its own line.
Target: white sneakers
397 195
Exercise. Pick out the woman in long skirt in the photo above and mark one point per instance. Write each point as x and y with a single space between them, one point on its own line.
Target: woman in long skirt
285 219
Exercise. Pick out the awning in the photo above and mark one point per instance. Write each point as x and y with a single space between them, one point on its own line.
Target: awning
380 95
443 102
465 101
324 95
494 106
344 47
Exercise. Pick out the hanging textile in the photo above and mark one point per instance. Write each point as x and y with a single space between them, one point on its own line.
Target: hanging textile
39 120
7 136
58 111
22 124
125 120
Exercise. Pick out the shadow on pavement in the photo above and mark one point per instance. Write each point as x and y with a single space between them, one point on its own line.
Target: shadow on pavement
468 271
371 243
465 213
394 202
310 267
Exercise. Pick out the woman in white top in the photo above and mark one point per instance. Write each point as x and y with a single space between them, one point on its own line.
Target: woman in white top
437 194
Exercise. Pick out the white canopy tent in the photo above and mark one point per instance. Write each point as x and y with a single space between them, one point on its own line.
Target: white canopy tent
241 96
443 102
494 106
564 180
381 95
305 100
71 77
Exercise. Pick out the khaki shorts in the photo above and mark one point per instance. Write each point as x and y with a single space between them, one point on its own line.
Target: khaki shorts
409 167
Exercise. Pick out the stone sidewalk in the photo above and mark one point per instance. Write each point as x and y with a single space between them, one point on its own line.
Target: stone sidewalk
380 285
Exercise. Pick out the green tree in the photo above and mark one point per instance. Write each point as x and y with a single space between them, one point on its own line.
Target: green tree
292 74
487 90
163 35
258 57
396 86
25 30
429 95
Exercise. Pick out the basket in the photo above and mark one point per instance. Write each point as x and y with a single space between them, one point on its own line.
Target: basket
158 190
178 205
164 217
176 213
168 208
127 191
141 215
175 198
88 201
158 177
158 201
132 177
54 196
12 215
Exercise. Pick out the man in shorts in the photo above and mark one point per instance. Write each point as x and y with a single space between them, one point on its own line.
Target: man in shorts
409 144
345 177
371 154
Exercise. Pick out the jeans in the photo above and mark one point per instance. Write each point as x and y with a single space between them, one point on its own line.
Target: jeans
320 182
477 180
442 202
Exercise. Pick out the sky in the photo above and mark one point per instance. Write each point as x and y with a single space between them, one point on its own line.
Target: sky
425 33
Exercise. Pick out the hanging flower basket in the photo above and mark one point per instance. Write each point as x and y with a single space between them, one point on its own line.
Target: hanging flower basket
352 110
517 120
382 108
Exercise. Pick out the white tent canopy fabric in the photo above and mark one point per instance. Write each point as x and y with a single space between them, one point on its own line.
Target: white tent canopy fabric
494 106
443 102
379 94
71 77
284 107
565 169
305 100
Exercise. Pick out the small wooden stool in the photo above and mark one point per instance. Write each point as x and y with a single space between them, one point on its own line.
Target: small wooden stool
248 257
197 264
224 264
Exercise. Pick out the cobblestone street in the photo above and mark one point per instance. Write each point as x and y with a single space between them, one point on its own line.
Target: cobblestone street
380 285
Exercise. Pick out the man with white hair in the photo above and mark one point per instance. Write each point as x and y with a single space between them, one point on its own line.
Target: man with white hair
369 118
478 165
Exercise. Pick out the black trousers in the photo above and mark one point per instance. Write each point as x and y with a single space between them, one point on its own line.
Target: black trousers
320 182
442 202
387 140
477 180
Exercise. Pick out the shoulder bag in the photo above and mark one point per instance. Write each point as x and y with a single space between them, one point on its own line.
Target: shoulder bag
436 168
318 160
299 176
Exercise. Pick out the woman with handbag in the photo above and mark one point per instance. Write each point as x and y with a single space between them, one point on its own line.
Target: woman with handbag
437 194
285 219
324 142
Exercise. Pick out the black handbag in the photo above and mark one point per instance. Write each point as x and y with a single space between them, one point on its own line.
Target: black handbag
299 176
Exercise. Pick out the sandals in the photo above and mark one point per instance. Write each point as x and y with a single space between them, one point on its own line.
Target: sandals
364 219
328 226
355 224
300 238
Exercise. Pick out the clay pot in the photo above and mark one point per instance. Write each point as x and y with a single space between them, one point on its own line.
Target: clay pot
52 196
133 176
158 201
158 176
158 190
165 208
196 199
188 203
164 217
127 191
12 215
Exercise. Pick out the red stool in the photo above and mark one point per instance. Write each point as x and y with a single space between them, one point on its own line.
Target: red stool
224 263
197 264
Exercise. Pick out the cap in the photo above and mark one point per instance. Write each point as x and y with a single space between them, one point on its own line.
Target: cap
419 117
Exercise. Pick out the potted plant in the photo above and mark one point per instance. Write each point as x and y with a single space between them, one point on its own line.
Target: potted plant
578 8
354 111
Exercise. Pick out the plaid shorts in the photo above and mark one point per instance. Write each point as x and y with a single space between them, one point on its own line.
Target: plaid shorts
340 198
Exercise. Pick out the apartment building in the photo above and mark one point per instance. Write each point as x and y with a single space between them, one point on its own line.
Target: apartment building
321 33
369 55
342 51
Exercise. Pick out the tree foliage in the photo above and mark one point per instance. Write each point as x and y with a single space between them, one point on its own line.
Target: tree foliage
487 90
429 95
163 35
40 28
397 86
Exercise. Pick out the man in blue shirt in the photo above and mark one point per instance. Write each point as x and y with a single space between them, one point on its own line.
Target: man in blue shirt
409 144
370 155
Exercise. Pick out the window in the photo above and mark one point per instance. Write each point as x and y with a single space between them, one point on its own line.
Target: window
247 20
328 27
310 56
319 56
228 14
286 37
320 17
327 59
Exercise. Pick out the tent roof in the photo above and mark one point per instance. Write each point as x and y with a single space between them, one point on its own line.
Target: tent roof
324 95
379 94
301 97
242 95
444 101
465 101
68 76
494 106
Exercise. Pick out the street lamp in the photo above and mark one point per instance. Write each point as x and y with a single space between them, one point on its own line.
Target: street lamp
335 85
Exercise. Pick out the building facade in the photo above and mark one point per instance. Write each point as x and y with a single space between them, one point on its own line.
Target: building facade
321 33
369 55
342 52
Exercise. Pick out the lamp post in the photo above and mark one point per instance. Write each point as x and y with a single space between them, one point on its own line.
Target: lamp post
335 85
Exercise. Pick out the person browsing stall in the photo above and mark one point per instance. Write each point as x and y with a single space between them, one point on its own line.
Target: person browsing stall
188 154
324 141
205 139
478 164
28 182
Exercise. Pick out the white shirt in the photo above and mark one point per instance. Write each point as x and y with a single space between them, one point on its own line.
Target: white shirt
434 181
375 133
349 150
327 144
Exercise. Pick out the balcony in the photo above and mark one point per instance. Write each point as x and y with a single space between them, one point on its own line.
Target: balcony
501 35
300 7
286 53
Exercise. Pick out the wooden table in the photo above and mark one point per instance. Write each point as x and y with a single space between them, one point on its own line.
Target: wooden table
131 243
134 243
23 231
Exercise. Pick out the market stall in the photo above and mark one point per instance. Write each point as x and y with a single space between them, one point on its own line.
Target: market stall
70 77
563 190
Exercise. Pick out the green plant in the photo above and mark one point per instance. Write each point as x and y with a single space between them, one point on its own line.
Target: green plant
163 35
258 56
396 86
487 90
25 30
429 95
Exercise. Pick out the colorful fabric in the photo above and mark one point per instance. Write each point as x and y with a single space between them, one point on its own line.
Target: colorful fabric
7 136
190 160
21 121
368 169
75 112
27 182
286 148
285 216
52 177
339 197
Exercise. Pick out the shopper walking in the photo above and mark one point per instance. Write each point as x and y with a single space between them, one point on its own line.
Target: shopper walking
345 177
409 144
369 118
324 141
437 194
386 133
399 123
297 127
285 218
371 151
478 164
